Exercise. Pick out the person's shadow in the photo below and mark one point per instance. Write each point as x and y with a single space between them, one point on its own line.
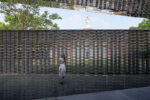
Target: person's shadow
61 89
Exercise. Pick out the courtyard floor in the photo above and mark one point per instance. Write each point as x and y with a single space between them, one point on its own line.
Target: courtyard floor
37 86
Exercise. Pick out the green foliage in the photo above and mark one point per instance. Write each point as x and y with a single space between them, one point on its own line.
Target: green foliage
145 24
27 17
32 2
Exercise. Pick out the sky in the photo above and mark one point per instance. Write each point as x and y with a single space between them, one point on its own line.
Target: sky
73 19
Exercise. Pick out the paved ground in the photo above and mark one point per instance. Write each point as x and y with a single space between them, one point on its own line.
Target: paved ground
127 94
36 86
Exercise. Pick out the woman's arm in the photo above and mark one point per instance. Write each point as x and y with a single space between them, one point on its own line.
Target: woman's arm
65 63
58 61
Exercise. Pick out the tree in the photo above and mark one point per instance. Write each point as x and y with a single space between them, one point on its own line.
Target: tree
145 24
44 3
26 17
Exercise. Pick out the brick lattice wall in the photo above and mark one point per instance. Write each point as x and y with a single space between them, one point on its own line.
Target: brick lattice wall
87 52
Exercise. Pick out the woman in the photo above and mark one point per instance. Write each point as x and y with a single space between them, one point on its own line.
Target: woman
62 68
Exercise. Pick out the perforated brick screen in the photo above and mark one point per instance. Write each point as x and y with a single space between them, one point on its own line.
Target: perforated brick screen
87 52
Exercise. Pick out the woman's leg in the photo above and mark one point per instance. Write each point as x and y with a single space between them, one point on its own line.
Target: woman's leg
61 80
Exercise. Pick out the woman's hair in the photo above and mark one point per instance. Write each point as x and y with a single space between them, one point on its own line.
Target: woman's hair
63 56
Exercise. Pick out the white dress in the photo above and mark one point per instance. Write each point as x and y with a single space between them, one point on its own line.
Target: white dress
62 68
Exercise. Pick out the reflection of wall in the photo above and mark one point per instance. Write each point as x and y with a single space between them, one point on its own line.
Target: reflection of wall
138 8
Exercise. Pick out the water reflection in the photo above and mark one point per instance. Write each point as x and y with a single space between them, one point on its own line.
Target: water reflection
36 86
